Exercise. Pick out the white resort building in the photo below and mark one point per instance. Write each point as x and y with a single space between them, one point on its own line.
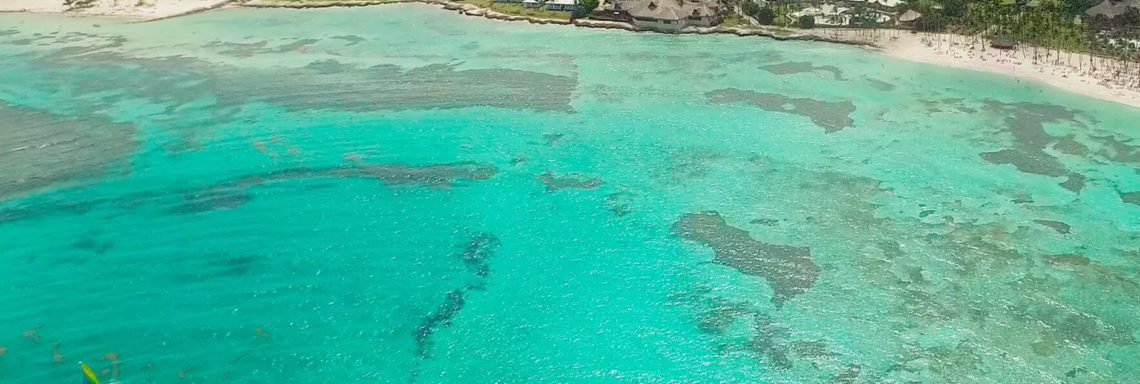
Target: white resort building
553 5
562 5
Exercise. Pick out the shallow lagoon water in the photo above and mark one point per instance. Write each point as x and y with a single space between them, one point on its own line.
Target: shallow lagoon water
400 194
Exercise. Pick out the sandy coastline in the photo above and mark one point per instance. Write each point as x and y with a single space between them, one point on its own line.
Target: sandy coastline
1093 77
1102 79
138 9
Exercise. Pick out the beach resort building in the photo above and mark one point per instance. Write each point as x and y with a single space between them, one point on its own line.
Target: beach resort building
1003 42
844 14
562 5
553 5
664 15
826 14
884 4
908 18
1111 9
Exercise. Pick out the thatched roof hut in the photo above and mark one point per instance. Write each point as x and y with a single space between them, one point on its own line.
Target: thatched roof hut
909 16
1111 9
1003 42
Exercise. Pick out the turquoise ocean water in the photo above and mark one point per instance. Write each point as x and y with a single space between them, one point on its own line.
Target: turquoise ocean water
401 194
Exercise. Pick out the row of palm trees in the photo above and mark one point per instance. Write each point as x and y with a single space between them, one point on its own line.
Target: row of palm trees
1044 34
1054 36
1050 34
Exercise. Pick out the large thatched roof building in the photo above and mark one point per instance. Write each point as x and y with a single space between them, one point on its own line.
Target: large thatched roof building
666 15
1111 9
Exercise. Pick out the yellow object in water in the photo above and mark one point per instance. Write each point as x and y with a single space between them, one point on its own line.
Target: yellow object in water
88 375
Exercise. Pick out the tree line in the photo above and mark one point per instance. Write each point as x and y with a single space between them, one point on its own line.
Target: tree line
1048 25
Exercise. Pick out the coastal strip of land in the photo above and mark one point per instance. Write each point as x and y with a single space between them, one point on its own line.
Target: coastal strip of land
1095 77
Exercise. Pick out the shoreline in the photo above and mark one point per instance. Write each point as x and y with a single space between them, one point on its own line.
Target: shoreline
776 33
905 45
1098 81
1107 82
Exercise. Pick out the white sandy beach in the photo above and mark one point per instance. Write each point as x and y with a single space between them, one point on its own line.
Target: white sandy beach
31 6
145 9
1072 72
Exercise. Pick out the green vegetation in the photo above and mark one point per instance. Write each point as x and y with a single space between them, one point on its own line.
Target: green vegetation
931 23
1060 25
765 16
750 8
806 22
1043 24
585 8
783 15
519 10
733 21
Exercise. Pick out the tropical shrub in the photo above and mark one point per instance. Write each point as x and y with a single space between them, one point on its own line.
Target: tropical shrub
766 16
585 7
750 8
806 21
